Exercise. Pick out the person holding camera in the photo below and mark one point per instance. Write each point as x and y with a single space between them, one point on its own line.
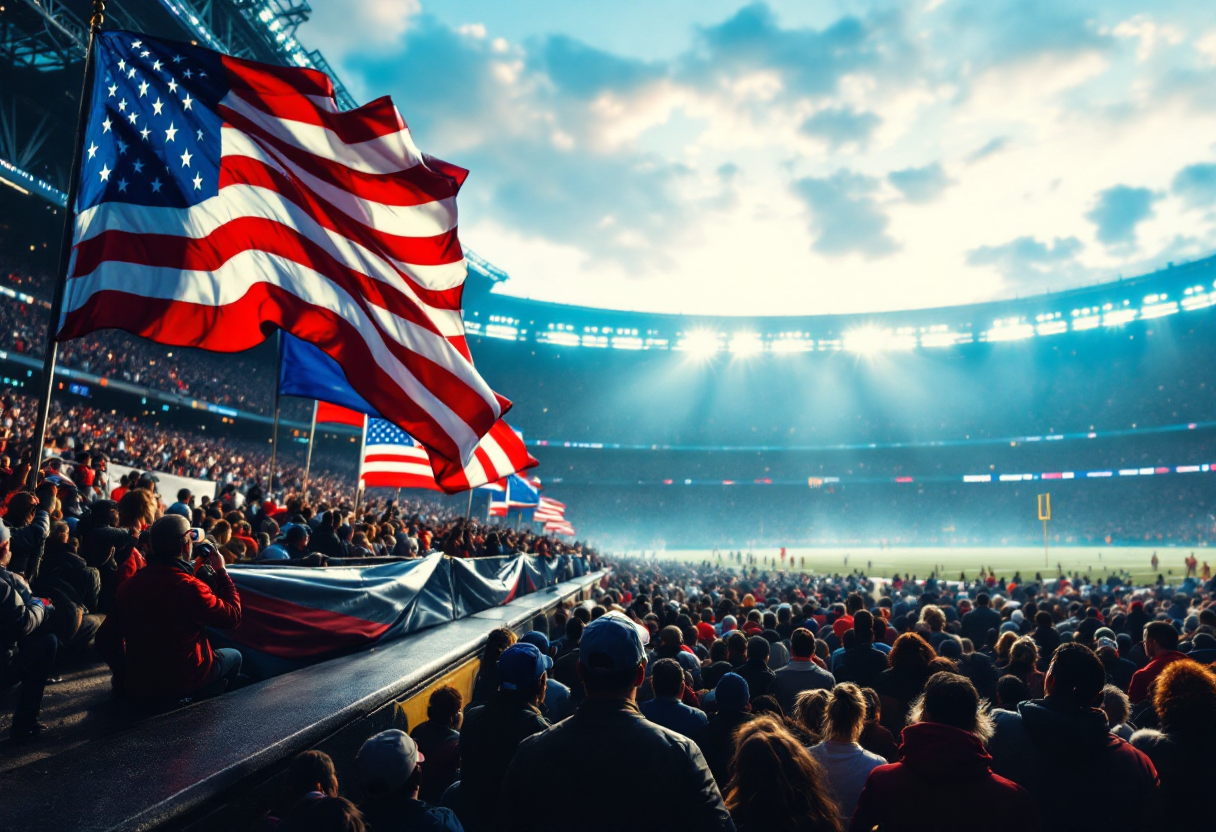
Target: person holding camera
155 637
26 657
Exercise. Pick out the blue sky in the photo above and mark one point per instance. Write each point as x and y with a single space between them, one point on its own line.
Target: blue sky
781 158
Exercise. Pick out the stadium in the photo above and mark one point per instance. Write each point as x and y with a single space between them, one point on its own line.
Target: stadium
698 478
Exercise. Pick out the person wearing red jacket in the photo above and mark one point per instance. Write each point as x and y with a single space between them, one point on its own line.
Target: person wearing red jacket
1161 647
155 638
944 748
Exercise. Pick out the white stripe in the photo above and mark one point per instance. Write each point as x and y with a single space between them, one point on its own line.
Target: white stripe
502 462
416 469
239 201
425 220
390 153
234 279
416 452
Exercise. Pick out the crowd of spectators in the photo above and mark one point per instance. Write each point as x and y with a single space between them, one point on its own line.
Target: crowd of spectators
705 698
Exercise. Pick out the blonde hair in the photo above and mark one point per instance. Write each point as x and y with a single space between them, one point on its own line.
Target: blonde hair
1004 644
845 715
932 615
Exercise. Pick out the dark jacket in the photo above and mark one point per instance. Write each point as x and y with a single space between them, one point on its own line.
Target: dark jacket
1187 770
717 742
896 797
978 622
488 740
440 745
798 676
896 688
631 773
1058 752
64 571
758 676
155 637
325 540
27 544
18 617
1047 639
861 664
395 814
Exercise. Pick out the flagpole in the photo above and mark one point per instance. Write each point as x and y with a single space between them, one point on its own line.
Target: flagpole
312 432
51 349
359 479
274 437
468 514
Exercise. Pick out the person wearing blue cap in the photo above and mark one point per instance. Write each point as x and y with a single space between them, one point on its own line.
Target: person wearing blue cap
494 730
557 705
717 739
661 775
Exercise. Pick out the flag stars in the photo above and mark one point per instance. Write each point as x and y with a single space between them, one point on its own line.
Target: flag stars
131 118
122 147
113 90
170 133
156 65
122 186
157 106
106 125
188 74
143 88
186 157
177 59
135 44
172 85
131 72
122 65
198 181
122 106
156 185
92 150
143 134
200 134
105 173
187 101
144 54
138 166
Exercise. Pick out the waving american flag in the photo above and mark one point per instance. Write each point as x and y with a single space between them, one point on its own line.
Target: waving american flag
222 198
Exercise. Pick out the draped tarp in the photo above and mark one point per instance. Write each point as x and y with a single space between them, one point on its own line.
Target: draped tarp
294 616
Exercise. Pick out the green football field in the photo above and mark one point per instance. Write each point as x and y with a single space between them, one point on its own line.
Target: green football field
951 562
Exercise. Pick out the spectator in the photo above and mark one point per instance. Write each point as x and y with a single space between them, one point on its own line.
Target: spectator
310 771
1011 691
1181 751
1046 637
755 670
1060 746
487 672
716 740
863 662
1117 708
319 813
844 761
1023 663
874 737
904 680
184 505
801 673
26 658
155 638
438 741
776 785
1119 671
29 522
556 705
390 771
1161 649
977 623
663 773
671 646
666 709
944 744
493 731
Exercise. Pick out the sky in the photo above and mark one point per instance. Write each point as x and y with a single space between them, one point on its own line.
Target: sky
803 158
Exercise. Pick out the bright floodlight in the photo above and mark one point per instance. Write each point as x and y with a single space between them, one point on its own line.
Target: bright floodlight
865 340
746 343
701 343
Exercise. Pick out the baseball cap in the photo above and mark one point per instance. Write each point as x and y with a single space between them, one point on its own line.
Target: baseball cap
5 534
1108 642
732 693
615 637
386 761
521 664
537 639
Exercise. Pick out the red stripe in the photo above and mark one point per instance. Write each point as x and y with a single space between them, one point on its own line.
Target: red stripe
439 250
392 479
266 79
332 414
371 121
236 237
294 631
395 457
417 185
247 322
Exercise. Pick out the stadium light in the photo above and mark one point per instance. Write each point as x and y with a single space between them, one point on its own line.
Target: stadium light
868 340
745 344
700 343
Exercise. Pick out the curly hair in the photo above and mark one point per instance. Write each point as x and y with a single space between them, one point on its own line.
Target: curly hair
1185 701
776 784
932 615
136 505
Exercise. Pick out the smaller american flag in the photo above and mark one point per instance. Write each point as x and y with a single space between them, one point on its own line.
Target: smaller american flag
549 510
560 527
392 459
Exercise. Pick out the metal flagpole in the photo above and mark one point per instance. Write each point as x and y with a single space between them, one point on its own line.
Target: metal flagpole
274 437
312 432
359 481
51 349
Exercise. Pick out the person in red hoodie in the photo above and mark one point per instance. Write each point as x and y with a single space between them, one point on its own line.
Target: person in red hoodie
155 638
1161 647
944 745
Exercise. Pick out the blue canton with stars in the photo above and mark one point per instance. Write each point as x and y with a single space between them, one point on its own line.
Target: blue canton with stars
382 432
153 134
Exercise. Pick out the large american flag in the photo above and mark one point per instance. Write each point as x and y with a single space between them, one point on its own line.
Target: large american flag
394 459
221 198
